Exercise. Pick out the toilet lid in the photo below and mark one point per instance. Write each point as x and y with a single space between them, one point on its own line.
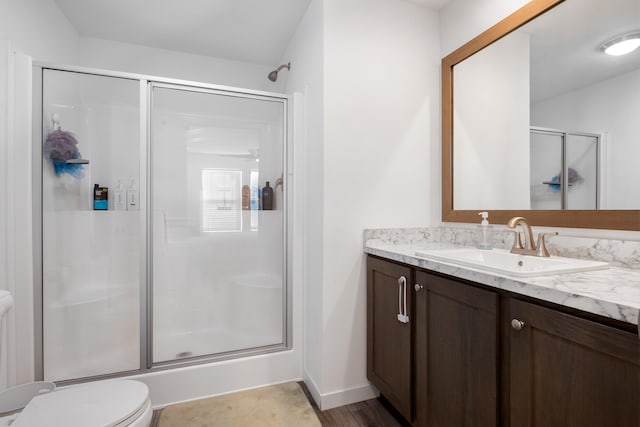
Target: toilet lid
101 404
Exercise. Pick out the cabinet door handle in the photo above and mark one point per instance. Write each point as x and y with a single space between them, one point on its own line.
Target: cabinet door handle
402 300
517 324
418 287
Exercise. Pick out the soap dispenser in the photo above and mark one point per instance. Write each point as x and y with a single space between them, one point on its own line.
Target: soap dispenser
485 234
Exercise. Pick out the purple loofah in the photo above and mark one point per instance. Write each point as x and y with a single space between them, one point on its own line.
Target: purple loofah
574 176
59 147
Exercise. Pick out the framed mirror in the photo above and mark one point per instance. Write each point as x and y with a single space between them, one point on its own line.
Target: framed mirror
538 121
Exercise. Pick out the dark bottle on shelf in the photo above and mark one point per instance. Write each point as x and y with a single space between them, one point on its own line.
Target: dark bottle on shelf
267 198
100 198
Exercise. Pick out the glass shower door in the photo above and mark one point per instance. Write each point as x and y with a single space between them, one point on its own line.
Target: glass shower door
583 171
90 258
546 167
218 264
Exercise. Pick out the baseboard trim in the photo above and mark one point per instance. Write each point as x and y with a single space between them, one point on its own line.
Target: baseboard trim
341 397
313 389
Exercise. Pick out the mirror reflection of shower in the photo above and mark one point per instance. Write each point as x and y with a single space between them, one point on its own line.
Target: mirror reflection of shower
566 170
273 76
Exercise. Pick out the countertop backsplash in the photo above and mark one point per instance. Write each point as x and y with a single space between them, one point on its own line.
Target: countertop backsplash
617 252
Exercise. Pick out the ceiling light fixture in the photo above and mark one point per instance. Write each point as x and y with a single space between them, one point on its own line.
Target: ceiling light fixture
621 45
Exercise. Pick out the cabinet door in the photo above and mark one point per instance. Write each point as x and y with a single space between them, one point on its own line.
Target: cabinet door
456 353
388 337
568 371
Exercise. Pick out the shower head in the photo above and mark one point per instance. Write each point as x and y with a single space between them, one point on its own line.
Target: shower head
273 76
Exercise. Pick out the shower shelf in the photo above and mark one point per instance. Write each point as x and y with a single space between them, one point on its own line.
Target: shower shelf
77 162
554 183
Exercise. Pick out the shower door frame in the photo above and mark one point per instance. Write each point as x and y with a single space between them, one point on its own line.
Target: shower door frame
151 84
146 83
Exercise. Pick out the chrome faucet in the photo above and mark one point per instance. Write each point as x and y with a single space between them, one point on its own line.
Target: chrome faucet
530 247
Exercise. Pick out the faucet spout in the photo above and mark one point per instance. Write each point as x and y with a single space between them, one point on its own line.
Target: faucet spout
529 247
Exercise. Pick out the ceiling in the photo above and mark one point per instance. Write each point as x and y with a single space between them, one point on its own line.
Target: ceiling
432 4
258 31
565 45
255 31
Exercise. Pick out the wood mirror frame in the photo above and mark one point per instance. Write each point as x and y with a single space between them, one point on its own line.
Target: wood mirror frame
602 219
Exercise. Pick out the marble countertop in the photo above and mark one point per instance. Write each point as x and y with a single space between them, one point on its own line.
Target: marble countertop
612 292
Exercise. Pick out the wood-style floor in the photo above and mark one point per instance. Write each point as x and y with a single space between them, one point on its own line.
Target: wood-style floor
370 413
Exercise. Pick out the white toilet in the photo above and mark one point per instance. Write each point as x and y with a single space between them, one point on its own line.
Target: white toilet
111 403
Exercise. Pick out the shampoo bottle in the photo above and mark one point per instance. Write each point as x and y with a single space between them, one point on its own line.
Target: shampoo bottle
246 198
255 198
100 198
485 234
267 198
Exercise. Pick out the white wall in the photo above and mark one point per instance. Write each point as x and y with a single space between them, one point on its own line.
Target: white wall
491 127
305 52
462 20
611 107
111 55
37 28
381 112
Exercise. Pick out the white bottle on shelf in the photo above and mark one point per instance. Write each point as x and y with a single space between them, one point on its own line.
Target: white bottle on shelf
132 196
119 198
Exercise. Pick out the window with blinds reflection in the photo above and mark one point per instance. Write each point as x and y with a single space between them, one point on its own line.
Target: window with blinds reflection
221 200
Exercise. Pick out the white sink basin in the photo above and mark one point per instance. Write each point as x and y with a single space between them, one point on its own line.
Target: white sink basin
505 262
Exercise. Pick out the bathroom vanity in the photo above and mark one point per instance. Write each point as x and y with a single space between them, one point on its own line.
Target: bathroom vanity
452 345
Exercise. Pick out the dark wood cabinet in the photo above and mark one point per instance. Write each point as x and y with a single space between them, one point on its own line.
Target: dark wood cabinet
389 337
456 353
439 368
568 371
472 356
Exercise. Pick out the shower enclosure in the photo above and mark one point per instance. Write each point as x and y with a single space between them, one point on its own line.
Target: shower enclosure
565 169
183 266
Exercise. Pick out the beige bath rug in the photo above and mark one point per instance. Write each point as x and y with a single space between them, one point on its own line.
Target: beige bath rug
282 405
